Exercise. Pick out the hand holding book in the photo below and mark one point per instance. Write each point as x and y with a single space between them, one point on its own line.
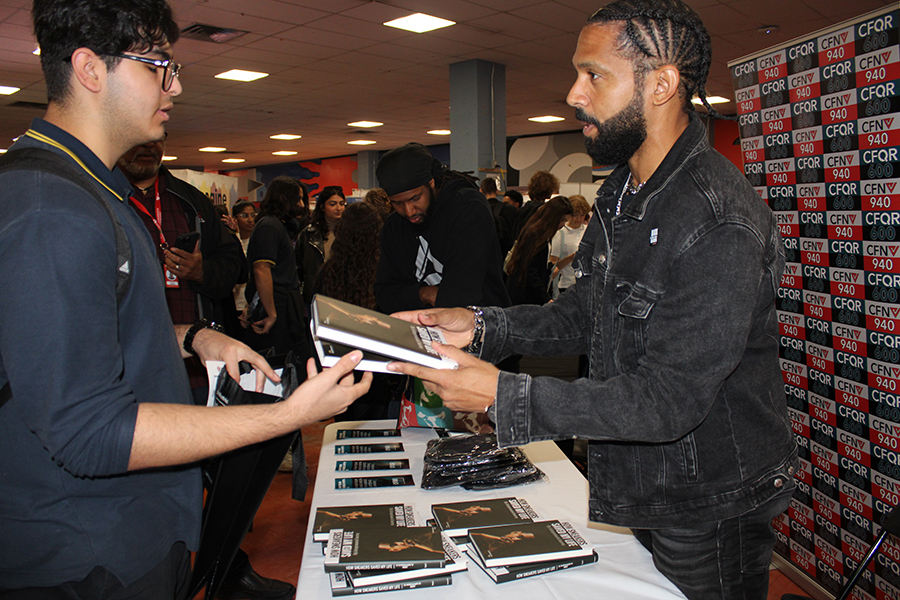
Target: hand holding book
457 324
471 387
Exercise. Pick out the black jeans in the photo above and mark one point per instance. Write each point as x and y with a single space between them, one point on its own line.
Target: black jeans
721 560
168 580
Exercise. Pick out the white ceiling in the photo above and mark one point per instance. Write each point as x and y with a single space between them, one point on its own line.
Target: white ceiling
332 62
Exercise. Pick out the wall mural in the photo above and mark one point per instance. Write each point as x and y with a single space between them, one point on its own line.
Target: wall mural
316 174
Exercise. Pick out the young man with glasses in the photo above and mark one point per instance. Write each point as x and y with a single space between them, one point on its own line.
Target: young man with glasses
98 435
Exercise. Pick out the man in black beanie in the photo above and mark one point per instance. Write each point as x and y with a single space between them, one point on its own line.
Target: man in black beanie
439 248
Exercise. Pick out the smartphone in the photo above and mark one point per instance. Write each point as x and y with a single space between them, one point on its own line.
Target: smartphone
187 241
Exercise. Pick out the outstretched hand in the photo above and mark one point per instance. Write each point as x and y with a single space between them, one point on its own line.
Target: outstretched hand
472 387
330 392
457 324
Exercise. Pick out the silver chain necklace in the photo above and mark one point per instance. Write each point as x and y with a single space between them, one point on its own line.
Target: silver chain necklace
630 187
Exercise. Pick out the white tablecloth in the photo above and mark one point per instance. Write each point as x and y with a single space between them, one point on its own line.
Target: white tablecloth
624 571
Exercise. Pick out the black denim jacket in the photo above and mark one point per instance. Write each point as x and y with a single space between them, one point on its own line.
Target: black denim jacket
675 306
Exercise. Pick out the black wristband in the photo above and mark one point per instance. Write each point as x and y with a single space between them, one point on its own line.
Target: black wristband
188 343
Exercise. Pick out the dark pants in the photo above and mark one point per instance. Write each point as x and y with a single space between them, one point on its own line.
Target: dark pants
166 581
723 560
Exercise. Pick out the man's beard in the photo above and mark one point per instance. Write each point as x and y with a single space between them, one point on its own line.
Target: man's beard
619 137
427 218
141 171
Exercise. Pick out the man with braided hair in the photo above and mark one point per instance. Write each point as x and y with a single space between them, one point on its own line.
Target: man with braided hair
674 304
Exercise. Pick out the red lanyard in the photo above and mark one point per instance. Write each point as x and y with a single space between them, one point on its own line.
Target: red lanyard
158 219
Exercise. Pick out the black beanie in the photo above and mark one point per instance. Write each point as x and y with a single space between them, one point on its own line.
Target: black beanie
405 168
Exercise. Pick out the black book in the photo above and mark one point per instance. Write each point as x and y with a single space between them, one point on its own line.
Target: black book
341 586
331 352
384 548
360 517
455 562
514 572
374 332
527 543
456 518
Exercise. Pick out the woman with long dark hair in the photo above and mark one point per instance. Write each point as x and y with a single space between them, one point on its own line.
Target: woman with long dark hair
528 267
349 275
314 244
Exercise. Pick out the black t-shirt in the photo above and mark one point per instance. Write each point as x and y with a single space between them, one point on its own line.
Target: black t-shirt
269 242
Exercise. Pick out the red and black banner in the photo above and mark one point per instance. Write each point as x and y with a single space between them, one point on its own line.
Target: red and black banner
820 137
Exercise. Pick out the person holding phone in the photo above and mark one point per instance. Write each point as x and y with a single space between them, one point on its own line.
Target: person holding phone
201 260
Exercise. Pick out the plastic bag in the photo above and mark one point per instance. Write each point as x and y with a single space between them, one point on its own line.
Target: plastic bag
476 463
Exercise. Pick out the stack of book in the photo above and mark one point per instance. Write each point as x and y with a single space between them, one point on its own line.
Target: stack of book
455 519
378 559
511 552
505 537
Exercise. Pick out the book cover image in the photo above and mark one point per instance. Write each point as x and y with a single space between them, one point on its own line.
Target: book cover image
528 542
456 518
384 548
368 448
372 465
358 483
361 516
344 434
368 330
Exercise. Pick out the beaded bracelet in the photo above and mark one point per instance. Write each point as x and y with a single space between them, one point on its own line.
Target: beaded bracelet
474 346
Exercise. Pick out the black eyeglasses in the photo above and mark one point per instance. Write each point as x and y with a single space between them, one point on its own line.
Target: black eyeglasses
170 69
246 215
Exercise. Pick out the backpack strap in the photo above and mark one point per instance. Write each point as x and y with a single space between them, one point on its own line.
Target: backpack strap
47 161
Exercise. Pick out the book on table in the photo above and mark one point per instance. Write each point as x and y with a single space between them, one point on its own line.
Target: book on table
515 572
341 585
456 518
374 332
361 516
527 543
384 548
454 558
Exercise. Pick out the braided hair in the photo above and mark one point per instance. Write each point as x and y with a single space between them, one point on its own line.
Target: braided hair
660 32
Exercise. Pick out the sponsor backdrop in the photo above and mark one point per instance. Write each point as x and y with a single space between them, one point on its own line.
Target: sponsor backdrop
819 122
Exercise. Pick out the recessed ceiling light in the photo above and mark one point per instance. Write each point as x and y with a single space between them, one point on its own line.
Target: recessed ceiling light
439 132
239 75
7 90
285 136
284 153
213 149
546 119
36 51
362 142
169 157
2 150
365 124
711 100
420 23
233 160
